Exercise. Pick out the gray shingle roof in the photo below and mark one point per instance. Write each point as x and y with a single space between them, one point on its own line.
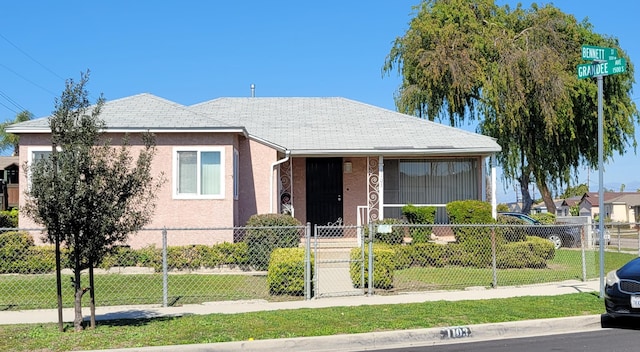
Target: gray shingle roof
142 112
317 125
305 126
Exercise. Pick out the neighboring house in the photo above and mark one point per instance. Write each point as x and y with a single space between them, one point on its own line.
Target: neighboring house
618 206
10 192
562 209
324 160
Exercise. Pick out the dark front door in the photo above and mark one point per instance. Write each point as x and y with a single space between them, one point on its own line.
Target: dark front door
324 190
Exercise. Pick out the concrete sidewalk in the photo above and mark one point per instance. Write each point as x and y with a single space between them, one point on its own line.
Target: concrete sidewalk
356 342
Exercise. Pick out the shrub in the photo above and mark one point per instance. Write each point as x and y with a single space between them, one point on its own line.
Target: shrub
383 267
516 255
286 271
541 247
42 260
419 216
475 241
545 218
14 247
470 212
429 254
267 232
516 233
9 218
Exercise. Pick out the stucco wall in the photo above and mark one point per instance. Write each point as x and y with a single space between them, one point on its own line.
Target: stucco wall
192 213
256 162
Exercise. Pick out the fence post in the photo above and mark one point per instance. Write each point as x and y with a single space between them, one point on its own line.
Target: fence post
584 257
370 291
307 262
165 281
494 266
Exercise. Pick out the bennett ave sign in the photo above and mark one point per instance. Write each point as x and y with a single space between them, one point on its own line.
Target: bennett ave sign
598 53
602 68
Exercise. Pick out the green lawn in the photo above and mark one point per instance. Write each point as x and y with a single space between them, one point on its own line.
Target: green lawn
293 323
566 265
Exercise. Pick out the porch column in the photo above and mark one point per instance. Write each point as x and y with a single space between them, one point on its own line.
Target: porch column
374 167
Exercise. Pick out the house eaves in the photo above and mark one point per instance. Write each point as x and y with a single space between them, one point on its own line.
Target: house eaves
140 113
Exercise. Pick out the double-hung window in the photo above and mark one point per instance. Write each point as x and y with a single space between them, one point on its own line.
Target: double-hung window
198 172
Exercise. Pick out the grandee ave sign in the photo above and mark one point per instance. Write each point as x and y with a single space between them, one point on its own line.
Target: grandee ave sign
605 62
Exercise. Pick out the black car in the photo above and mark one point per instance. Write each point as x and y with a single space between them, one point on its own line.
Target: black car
559 235
622 290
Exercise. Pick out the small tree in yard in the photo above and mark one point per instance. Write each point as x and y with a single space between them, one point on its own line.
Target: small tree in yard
89 195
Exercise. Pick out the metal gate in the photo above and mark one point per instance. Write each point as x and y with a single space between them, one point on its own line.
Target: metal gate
339 261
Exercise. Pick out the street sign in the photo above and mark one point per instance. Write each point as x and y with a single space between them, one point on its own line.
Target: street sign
598 53
604 68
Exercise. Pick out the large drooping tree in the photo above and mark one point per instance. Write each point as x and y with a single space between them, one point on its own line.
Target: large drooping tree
88 194
514 70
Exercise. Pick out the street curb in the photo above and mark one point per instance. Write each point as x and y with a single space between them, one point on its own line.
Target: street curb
400 338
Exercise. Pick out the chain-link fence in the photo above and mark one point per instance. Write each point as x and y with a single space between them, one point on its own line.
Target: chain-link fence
295 263
160 269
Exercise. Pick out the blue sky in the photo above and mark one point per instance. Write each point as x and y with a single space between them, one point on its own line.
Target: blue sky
193 51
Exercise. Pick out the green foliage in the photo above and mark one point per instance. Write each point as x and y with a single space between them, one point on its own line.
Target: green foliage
545 218
541 247
89 195
469 212
419 216
502 207
9 141
286 272
429 254
383 267
515 233
267 232
515 69
15 246
577 191
9 219
517 255
574 210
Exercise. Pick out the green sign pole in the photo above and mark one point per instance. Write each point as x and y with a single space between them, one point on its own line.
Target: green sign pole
600 183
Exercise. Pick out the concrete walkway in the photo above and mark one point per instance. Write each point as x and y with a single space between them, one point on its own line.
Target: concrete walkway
355 342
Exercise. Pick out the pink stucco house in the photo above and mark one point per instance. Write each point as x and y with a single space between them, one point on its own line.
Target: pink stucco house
324 160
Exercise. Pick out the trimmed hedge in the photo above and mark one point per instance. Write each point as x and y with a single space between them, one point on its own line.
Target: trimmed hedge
383 267
420 216
267 232
286 271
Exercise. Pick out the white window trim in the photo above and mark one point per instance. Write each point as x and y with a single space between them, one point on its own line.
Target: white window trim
37 149
236 174
198 149
30 151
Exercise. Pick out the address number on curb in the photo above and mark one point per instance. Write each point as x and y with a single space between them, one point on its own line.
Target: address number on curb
455 332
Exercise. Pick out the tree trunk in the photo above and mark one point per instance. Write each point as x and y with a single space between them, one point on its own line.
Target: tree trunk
92 304
524 189
59 283
546 196
78 293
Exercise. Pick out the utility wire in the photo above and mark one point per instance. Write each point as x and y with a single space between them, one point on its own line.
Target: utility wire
30 57
28 80
8 98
